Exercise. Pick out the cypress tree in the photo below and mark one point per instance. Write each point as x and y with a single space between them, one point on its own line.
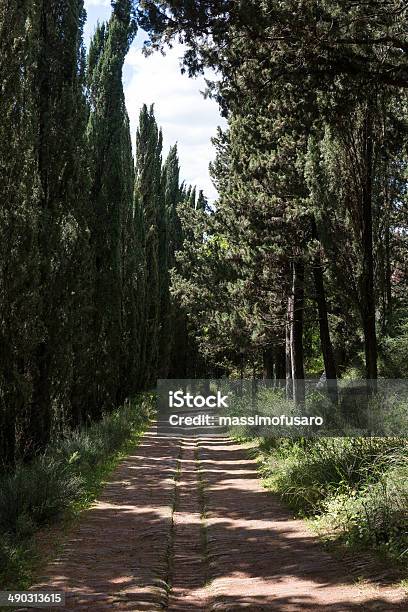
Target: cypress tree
202 203
141 291
148 200
131 276
59 107
44 114
111 199
168 244
21 327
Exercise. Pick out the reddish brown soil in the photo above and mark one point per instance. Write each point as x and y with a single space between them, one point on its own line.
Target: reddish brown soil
185 525
261 558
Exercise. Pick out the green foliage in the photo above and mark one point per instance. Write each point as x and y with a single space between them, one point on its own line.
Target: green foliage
148 201
376 516
302 117
42 205
307 473
85 307
85 448
356 488
20 216
394 352
16 560
112 208
169 242
35 493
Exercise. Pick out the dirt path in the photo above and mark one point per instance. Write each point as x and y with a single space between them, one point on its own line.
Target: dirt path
117 558
184 525
262 559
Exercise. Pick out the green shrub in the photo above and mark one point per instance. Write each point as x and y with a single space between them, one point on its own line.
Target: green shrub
376 516
306 473
393 353
86 448
80 448
34 493
357 488
15 560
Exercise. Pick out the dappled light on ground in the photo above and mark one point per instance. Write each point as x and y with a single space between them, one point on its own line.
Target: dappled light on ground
185 525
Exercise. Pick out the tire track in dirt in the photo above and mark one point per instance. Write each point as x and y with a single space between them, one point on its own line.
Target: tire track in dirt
188 564
117 556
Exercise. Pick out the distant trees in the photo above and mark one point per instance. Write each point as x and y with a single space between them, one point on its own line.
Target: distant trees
87 234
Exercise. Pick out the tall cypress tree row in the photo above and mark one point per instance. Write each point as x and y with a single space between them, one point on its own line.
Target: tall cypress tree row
44 118
148 200
111 199
87 243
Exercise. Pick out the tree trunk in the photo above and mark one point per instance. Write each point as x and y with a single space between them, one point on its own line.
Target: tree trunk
280 364
268 363
298 370
367 276
325 340
288 351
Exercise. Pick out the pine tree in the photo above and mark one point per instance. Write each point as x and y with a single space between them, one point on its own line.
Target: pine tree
266 53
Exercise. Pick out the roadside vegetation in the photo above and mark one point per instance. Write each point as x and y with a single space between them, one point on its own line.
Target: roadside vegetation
59 483
354 490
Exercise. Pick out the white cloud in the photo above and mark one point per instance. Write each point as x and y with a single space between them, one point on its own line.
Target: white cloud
89 3
97 10
181 110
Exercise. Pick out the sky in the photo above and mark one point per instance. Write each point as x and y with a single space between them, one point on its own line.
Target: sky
180 108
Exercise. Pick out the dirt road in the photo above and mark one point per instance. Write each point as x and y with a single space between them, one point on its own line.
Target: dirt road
185 525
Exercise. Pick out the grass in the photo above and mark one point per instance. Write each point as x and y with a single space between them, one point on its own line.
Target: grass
355 490
58 485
